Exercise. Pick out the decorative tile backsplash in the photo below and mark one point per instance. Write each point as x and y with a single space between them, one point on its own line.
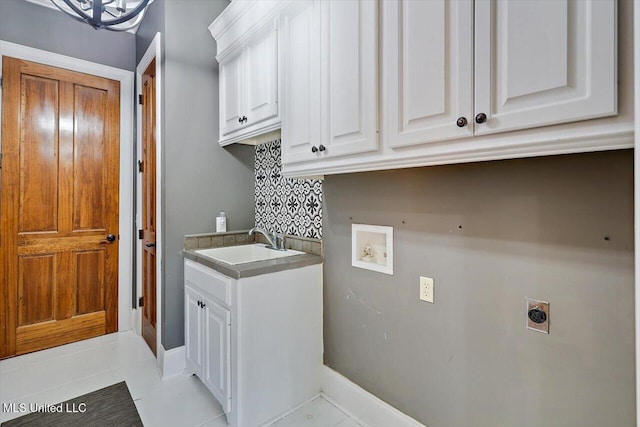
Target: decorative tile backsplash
287 205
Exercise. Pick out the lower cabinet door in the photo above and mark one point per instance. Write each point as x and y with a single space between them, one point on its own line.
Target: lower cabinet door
217 369
193 331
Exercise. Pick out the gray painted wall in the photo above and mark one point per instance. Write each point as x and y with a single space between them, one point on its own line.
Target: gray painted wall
490 234
200 178
42 28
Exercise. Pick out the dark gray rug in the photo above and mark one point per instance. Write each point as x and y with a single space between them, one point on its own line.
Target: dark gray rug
111 406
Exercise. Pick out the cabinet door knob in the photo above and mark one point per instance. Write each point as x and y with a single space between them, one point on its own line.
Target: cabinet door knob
314 149
239 119
461 122
322 147
203 305
244 119
481 118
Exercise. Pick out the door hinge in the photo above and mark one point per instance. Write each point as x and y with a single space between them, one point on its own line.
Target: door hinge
1 81
141 302
140 234
0 160
140 166
140 99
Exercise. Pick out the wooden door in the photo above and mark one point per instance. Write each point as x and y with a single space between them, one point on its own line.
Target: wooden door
231 94
540 63
59 206
349 77
261 75
301 81
149 206
428 68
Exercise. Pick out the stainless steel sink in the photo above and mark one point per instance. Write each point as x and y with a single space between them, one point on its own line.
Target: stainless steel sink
245 253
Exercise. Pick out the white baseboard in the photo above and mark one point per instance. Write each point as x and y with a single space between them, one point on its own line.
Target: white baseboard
361 405
171 362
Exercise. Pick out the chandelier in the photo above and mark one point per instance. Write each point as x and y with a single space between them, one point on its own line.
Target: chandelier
114 15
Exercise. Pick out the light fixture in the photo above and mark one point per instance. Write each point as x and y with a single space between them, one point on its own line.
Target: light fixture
114 15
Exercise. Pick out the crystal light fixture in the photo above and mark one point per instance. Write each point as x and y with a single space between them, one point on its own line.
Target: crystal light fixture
114 15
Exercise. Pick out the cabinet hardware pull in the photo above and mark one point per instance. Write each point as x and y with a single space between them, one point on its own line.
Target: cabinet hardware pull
322 147
239 119
314 149
461 122
481 118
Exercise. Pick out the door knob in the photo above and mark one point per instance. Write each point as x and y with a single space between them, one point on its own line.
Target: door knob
111 238
481 118
322 147
461 122
314 149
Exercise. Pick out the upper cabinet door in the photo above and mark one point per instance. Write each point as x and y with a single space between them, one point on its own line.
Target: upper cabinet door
231 94
540 63
301 81
427 70
349 76
261 74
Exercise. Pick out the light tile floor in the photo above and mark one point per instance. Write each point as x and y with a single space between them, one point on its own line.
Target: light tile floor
62 373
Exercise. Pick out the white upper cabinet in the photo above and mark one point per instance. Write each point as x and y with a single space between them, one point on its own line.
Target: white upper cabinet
301 82
331 79
540 63
231 90
261 75
248 52
349 76
427 70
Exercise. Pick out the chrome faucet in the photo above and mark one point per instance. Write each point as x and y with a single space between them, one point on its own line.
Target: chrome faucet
276 240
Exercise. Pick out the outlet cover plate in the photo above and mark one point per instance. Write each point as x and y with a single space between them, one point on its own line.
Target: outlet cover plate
426 289
542 305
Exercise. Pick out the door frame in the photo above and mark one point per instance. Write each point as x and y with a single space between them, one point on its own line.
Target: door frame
636 208
125 255
154 51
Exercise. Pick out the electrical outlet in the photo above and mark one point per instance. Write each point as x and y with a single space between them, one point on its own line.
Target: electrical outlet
426 289
538 315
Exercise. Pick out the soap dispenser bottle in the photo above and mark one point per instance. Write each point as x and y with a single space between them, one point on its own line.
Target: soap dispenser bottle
221 223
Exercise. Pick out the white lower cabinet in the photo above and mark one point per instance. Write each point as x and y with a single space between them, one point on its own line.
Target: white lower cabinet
208 343
256 342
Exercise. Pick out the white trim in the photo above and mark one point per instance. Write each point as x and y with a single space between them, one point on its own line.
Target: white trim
509 145
172 362
636 11
126 155
154 51
359 404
